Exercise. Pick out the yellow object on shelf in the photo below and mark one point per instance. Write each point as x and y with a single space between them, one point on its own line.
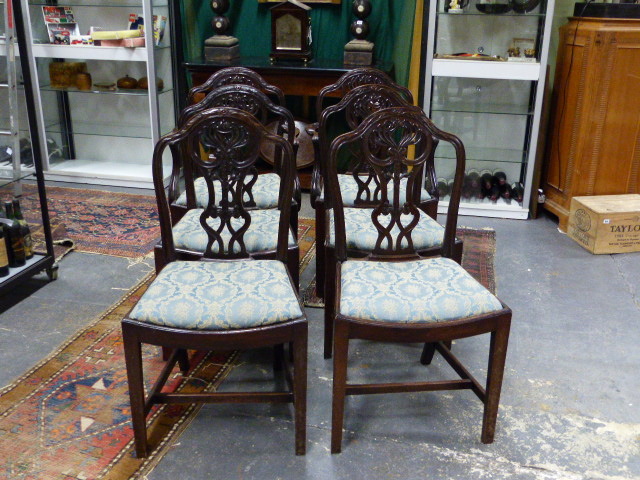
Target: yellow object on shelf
116 34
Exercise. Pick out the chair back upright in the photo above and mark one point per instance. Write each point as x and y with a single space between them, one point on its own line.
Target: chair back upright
355 78
234 76
250 100
222 144
357 105
384 139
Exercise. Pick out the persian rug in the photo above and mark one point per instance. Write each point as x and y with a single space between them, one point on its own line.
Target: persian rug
62 244
477 258
68 418
111 223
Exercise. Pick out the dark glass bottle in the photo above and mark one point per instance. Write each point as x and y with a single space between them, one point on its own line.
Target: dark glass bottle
487 184
443 188
4 257
517 192
16 250
26 231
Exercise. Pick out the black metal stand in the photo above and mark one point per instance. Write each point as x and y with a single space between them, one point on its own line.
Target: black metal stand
45 261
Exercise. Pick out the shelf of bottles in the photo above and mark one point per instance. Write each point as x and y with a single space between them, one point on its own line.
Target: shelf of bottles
16 245
486 62
493 120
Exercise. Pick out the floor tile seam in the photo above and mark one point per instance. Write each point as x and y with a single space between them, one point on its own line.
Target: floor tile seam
628 285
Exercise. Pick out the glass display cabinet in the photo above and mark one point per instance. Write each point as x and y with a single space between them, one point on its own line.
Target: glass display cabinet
101 130
484 82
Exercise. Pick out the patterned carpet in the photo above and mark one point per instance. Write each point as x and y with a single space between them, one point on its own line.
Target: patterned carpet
97 221
69 419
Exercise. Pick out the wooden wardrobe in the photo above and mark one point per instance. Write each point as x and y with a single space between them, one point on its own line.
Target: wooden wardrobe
594 139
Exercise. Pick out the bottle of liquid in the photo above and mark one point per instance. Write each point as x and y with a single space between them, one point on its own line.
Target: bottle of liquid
26 232
16 241
4 257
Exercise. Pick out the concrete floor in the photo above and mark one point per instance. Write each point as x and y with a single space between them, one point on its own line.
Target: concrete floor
570 405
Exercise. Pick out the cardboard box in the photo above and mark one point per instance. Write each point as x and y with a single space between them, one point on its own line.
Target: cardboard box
606 223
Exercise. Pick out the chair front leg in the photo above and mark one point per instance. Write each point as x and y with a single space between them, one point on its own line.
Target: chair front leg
330 290
495 373
133 361
321 232
428 351
293 263
340 360
300 387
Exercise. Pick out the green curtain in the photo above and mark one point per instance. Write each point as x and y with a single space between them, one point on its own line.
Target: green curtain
391 29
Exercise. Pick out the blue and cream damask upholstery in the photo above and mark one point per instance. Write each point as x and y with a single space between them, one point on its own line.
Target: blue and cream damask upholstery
219 296
265 191
422 291
362 234
262 234
349 190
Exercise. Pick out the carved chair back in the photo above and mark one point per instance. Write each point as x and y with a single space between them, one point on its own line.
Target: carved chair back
357 77
235 76
222 145
250 100
357 105
384 138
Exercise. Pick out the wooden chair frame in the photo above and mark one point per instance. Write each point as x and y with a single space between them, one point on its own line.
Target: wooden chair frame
246 98
435 336
292 332
357 104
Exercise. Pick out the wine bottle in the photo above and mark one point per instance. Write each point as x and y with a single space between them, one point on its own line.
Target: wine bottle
16 251
26 231
486 184
4 257
501 178
443 188
517 192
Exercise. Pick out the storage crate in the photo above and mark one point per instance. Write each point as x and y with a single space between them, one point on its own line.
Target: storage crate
606 223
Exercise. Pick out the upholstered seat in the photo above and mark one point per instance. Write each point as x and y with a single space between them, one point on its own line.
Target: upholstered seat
430 290
219 296
349 190
262 234
362 234
265 192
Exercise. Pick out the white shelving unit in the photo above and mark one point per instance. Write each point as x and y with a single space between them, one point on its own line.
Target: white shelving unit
106 137
493 106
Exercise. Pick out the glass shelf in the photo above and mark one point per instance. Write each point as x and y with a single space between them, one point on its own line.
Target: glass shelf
120 91
491 15
100 3
485 154
105 130
6 175
464 107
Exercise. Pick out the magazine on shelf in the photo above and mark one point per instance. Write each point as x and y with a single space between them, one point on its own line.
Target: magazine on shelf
136 22
61 24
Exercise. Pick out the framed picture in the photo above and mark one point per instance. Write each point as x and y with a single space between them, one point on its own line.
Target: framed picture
303 1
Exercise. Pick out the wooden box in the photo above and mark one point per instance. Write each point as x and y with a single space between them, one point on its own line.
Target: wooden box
606 223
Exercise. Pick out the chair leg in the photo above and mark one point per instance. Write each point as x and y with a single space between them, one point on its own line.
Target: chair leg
133 361
278 357
166 353
340 359
329 301
300 387
428 351
321 230
495 372
183 361
293 263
